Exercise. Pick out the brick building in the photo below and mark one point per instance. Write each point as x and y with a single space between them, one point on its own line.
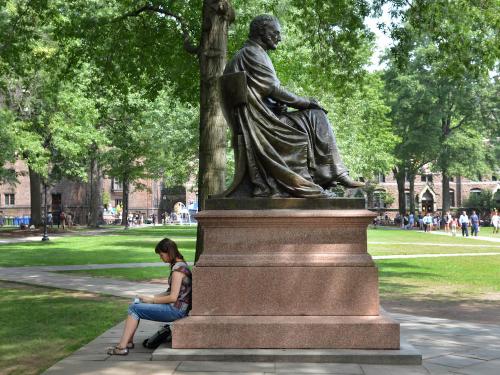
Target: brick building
74 197
428 192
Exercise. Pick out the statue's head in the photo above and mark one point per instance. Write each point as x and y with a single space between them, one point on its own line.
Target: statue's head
266 31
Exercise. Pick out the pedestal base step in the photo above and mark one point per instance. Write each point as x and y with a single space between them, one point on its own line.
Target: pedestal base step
286 332
407 355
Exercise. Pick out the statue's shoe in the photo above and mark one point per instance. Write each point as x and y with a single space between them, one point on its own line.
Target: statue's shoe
348 182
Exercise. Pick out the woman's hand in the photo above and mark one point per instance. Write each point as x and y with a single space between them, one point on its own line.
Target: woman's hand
146 299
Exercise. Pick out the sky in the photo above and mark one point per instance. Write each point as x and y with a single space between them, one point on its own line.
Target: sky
383 41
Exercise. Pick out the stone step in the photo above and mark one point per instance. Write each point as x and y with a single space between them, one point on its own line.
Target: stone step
406 355
286 332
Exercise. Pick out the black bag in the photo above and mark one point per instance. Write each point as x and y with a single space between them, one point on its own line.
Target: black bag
160 337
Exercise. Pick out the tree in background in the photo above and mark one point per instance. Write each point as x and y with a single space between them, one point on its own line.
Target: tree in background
148 140
448 51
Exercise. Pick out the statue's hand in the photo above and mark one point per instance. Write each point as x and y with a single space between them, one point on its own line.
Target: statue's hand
313 104
281 109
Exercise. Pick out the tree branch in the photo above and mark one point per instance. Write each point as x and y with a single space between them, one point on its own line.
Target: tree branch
462 121
188 45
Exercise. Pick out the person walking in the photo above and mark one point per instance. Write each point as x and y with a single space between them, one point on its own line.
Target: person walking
464 223
420 221
427 222
62 219
474 221
411 220
447 222
495 221
454 225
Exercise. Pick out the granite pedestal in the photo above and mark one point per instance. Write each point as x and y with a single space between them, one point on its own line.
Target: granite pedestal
286 278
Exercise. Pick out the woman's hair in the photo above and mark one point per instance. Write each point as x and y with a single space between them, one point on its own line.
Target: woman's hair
169 247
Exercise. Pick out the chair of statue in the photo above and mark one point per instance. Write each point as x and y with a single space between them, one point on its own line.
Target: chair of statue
233 93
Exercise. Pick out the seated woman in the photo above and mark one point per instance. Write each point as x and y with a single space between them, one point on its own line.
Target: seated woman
171 305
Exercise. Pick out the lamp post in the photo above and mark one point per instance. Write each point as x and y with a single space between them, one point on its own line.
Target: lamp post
45 235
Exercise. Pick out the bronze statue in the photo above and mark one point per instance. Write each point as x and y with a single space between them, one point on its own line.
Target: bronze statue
284 153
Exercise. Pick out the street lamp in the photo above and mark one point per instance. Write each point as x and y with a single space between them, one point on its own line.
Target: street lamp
45 235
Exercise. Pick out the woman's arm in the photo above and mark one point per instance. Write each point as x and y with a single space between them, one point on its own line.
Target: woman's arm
175 288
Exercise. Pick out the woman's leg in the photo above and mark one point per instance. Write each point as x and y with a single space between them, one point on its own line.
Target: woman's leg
131 325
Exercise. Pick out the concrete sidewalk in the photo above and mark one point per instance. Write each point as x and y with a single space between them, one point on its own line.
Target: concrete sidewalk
447 346
47 276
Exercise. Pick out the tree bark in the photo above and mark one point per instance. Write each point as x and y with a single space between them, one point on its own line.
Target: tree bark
217 16
36 198
126 185
412 193
400 179
446 191
95 202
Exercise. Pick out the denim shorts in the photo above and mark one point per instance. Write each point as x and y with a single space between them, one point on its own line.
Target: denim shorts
158 312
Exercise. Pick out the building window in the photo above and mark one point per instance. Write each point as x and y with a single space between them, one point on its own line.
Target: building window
116 185
407 199
380 177
378 199
9 199
452 198
426 177
475 191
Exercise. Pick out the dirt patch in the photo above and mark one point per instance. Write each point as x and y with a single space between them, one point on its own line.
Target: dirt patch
484 311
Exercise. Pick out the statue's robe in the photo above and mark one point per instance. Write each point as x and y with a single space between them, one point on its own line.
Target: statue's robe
293 154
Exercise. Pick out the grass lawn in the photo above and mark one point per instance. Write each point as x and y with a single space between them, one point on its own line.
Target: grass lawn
41 326
130 274
137 245
134 245
487 232
439 278
417 236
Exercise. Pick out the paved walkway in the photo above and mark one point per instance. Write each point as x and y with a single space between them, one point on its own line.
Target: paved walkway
55 236
47 276
448 347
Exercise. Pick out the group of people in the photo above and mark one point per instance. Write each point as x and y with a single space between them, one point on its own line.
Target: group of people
450 223
61 219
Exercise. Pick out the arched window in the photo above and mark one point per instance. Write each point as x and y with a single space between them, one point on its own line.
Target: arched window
452 198
475 191
378 199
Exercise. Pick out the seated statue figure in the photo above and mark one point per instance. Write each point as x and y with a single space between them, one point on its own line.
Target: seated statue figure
288 154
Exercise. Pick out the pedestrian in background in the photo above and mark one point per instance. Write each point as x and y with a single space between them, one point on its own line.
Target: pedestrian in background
454 225
495 221
474 221
464 223
427 223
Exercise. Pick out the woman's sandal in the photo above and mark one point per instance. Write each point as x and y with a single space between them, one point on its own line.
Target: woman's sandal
130 345
117 351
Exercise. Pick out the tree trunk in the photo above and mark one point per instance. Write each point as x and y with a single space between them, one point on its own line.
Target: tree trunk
400 179
95 202
216 18
412 194
36 198
446 191
126 185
